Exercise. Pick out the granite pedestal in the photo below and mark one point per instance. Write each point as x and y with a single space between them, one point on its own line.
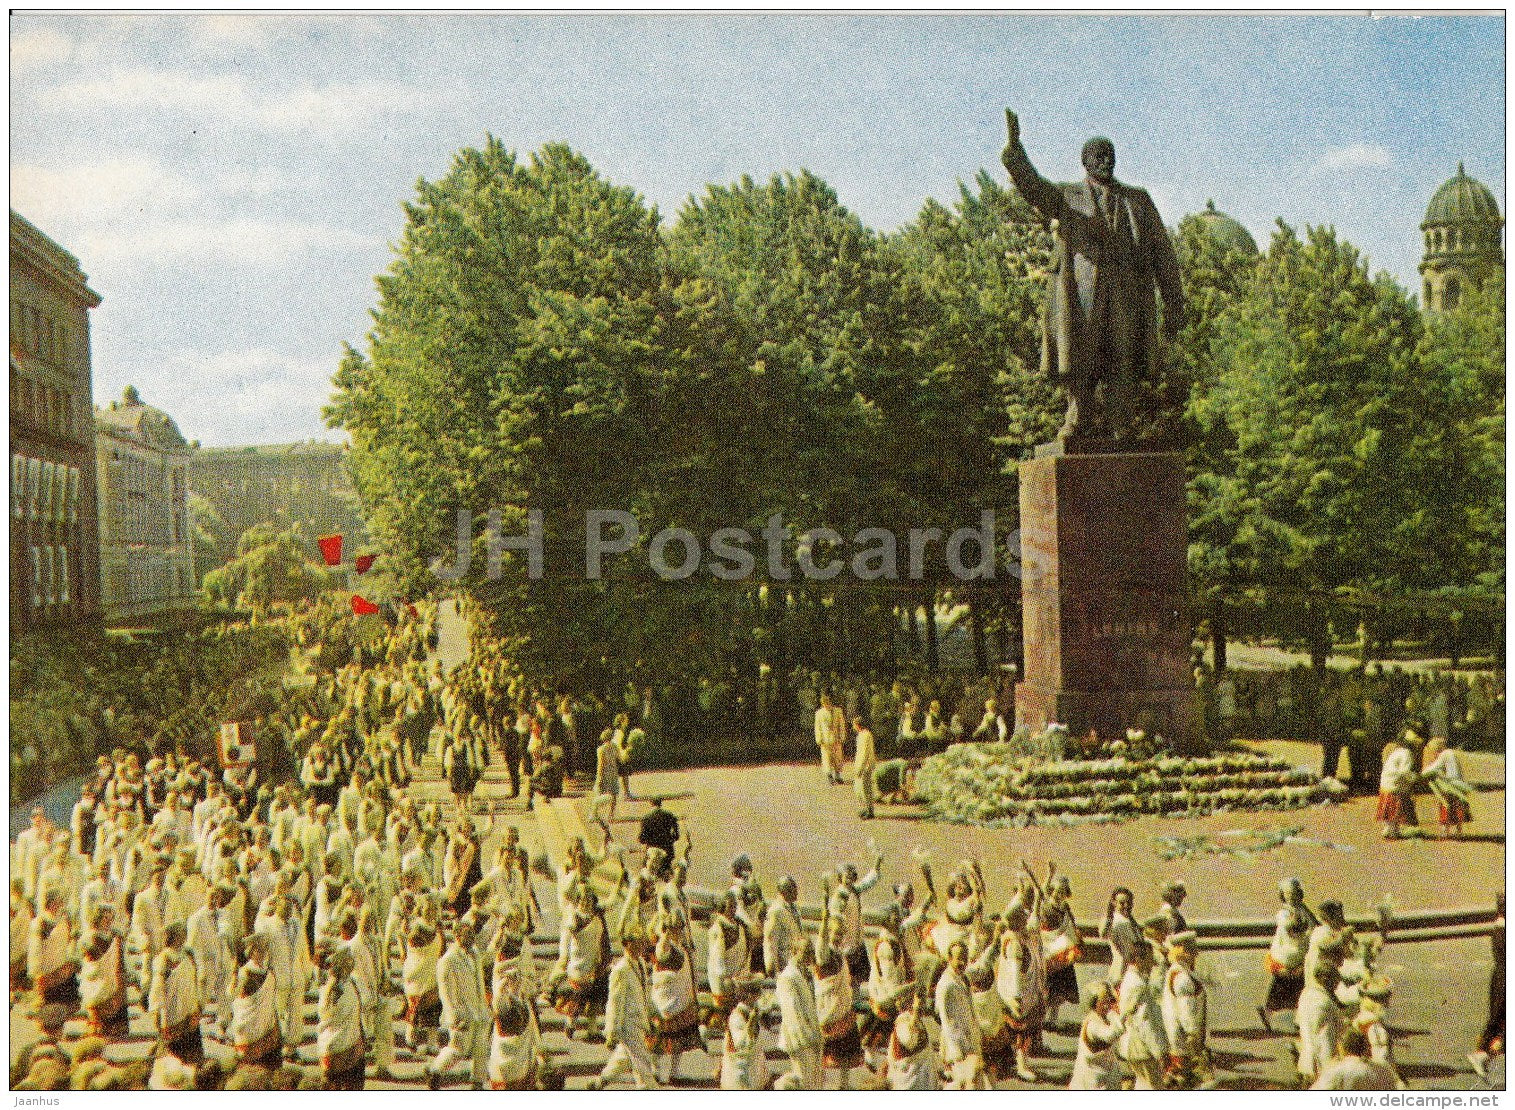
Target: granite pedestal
1104 561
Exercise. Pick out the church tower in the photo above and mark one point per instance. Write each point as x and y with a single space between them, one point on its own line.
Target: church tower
1462 238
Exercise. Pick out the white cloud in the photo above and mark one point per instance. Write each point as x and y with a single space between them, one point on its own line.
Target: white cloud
43 47
254 31
118 211
232 242
1355 157
327 108
257 395
116 188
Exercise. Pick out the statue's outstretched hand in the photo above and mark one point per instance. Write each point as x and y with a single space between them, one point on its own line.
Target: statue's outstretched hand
1013 129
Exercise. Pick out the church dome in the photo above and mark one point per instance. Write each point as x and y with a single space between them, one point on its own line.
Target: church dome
1226 232
1462 200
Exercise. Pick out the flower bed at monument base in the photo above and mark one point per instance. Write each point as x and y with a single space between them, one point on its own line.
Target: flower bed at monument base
994 785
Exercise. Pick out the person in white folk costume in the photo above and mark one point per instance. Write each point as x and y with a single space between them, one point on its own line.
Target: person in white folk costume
674 1011
961 1042
1286 954
1320 1021
997 1037
1355 1069
255 1031
102 976
151 913
891 985
281 961
1019 978
339 1027
1185 1015
370 976
726 958
1396 782
1372 1020
579 980
22 915
515 1040
841 1047
1143 1043
913 1063
1096 1066
465 1014
799 1023
744 1064
627 1020
782 930
213 957
173 998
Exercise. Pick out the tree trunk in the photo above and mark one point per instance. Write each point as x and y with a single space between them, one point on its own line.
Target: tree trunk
1218 638
980 652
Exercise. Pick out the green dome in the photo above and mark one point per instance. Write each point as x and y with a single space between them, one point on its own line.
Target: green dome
1226 232
1462 201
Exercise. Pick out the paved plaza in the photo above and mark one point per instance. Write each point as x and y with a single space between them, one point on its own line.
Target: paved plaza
790 821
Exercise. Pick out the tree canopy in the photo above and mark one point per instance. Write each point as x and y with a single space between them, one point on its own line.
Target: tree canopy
542 343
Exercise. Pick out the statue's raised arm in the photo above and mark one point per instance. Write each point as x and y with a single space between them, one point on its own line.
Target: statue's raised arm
1042 195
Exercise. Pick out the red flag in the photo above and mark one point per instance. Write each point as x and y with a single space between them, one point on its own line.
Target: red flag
331 550
363 562
362 606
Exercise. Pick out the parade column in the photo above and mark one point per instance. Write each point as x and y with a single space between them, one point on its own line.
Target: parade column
1104 556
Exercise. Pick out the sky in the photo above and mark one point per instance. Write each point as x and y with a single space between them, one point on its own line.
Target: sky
232 184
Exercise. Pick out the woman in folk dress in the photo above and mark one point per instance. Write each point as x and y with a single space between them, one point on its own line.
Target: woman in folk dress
963 909
1097 1067
102 976
1396 783
1061 948
1019 978
1121 930
461 871
1286 955
1443 766
727 958
515 1040
744 1063
423 1003
913 1063
673 1005
891 983
841 1046
581 979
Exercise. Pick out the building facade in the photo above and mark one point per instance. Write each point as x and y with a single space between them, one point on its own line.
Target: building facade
1463 244
147 569
55 553
283 484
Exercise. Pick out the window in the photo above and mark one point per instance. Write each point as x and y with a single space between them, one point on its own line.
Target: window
49 574
33 480
18 485
36 566
63 593
45 501
1451 293
73 495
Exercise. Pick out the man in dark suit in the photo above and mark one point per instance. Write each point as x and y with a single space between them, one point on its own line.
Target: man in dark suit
1113 259
660 829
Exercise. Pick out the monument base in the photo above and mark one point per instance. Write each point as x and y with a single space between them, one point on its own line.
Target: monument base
1104 586
1171 714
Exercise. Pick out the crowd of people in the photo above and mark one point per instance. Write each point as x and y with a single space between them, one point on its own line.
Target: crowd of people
226 909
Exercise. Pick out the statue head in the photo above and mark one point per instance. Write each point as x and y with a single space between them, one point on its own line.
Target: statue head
1098 157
